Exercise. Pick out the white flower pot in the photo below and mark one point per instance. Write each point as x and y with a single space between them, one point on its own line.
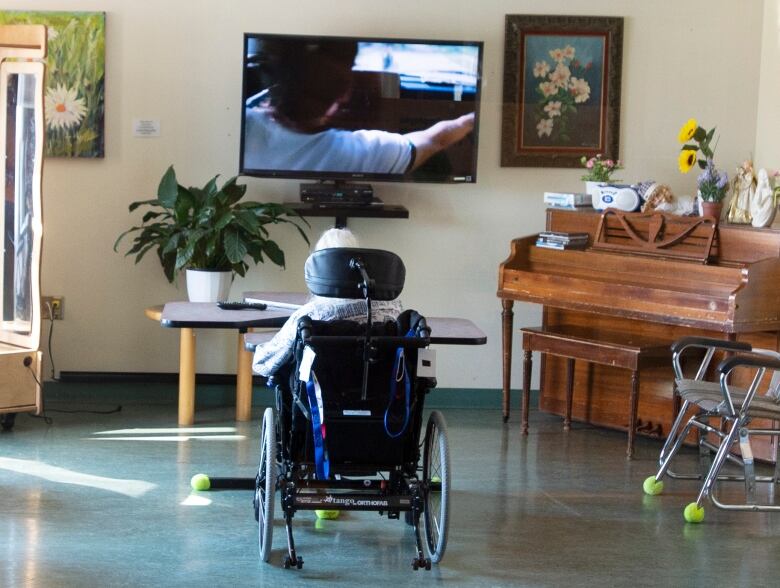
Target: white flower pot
592 188
208 285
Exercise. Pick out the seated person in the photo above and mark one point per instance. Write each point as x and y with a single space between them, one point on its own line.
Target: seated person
292 127
270 356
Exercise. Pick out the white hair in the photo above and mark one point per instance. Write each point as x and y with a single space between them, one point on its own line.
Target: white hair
336 238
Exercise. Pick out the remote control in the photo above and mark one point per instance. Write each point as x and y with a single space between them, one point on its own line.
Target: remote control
225 305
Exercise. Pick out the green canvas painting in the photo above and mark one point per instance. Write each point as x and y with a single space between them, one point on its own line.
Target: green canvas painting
75 75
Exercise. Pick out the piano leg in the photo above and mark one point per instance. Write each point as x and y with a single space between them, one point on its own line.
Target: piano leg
632 413
569 393
507 318
526 389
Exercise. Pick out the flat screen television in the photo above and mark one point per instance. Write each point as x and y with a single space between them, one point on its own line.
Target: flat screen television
347 108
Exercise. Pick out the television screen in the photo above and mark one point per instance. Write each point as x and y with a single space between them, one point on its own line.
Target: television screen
347 108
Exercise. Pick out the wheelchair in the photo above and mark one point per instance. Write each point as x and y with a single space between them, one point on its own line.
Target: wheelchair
346 430
722 414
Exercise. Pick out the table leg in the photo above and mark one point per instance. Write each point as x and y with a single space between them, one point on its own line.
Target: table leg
632 413
243 382
569 393
507 317
187 348
526 390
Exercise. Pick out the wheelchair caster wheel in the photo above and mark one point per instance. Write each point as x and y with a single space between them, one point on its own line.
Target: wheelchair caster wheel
299 563
653 487
428 563
693 513
415 564
286 563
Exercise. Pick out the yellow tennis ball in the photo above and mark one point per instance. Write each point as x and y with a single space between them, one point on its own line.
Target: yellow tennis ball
200 482
327 514
652 487
693 513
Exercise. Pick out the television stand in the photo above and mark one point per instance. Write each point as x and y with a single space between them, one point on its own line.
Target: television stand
342 211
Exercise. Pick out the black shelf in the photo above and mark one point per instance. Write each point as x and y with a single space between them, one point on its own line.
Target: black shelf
342 212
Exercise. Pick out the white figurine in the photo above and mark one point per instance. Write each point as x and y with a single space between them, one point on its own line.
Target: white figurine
762 207
742 194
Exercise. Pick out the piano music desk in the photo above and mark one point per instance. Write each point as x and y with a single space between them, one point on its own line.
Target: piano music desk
621 350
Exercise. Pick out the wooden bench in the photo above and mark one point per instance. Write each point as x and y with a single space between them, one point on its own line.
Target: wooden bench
621 350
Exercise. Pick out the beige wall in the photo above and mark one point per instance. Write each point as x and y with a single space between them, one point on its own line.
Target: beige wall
180 61
768 117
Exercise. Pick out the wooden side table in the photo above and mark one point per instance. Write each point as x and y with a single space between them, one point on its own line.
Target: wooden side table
188 316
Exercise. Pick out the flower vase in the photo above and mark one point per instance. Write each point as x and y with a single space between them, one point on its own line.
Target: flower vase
713 209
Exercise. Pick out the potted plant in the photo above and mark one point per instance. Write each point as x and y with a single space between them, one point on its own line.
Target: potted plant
711 183
599 172
207 231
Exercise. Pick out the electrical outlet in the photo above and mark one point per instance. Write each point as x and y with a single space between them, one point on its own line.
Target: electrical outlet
52 307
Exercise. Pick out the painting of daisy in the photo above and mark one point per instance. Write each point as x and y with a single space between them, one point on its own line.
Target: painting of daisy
562 89
74 100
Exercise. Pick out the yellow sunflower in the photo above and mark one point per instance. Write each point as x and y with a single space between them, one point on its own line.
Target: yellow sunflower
687 131
686 160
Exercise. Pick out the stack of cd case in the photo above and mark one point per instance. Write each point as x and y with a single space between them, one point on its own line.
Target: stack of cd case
556 240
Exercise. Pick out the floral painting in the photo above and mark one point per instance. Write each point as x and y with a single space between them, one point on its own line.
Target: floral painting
74 101
561 89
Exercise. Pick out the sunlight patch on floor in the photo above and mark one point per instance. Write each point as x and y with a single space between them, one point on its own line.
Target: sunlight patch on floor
172 430
131 488
175 438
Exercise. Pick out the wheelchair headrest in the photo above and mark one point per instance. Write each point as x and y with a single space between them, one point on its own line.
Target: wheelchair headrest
332 273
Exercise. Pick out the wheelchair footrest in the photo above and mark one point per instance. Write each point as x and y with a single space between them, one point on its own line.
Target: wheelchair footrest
351 501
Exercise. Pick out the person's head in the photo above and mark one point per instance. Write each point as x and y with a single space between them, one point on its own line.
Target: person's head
336 238
311 78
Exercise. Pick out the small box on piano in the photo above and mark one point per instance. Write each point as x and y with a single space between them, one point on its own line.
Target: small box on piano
567 199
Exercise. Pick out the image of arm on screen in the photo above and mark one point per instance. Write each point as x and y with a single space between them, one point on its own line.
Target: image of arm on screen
438 137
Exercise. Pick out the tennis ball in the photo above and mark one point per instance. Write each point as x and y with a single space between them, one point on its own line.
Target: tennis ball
693 514
652 487
200 482
327 514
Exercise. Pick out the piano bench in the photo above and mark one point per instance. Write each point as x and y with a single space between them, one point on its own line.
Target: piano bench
612 348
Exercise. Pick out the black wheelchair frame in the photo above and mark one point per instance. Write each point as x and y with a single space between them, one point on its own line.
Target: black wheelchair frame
390 478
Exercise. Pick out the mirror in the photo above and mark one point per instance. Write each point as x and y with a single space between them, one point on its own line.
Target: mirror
17 221
20 223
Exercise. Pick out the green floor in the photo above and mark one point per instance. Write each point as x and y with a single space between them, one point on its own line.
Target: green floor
104 500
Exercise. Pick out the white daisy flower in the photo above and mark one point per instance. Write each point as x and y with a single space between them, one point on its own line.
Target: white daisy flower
63 107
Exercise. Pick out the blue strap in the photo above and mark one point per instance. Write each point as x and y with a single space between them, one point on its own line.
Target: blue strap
321 461
399 372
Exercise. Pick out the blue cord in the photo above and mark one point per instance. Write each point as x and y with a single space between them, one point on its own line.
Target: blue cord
399 371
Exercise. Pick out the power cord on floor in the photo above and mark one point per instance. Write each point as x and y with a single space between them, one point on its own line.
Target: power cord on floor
51 332
28 363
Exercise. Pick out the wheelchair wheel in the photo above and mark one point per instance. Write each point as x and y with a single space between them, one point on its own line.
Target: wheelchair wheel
436 477
265 485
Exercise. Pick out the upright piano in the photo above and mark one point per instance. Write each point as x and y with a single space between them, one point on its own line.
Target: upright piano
735 295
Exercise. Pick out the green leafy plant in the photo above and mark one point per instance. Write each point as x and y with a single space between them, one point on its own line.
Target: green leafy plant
207 228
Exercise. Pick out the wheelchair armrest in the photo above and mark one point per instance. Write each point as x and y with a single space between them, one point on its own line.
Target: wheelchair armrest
684 342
